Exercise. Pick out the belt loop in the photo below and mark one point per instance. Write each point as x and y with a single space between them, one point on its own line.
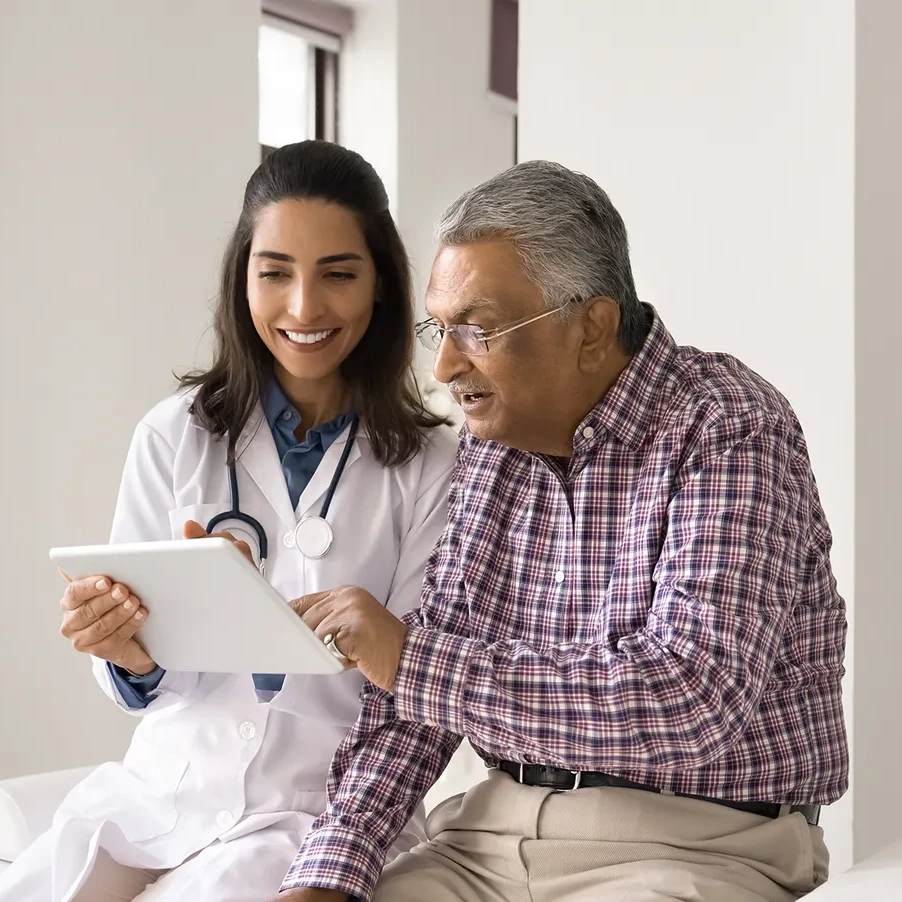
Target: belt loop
577 778
521 773
784 810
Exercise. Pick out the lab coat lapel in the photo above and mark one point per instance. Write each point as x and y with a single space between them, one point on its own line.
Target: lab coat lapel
313 495
258 456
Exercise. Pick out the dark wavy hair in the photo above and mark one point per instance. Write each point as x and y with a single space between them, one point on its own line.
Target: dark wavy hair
379 371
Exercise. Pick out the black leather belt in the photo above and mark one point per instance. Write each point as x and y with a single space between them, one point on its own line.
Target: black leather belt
566 780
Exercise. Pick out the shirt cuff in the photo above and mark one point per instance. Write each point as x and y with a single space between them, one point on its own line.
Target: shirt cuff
136 691
432 678
338 859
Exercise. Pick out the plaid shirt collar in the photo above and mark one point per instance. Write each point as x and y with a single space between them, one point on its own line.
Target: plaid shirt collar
627 409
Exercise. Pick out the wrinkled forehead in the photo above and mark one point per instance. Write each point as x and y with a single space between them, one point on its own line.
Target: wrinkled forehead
482 280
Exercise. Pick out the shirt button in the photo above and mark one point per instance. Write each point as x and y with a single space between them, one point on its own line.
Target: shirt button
559 576
588 432
288 540
247 730
286 415
223 819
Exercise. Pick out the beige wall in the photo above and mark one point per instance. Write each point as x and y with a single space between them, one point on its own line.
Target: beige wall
878 424
127 131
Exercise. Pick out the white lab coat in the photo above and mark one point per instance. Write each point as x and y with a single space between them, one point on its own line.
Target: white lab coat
209 761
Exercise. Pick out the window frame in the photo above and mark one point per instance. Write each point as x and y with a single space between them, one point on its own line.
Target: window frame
322 78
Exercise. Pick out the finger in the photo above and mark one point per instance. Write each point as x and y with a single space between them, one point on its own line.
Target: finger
224 534
105 626
64 575
81 590
114 642
318 614
92 611
193 530
330 628
303 604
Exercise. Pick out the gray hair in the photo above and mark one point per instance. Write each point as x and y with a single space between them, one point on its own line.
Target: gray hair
571 240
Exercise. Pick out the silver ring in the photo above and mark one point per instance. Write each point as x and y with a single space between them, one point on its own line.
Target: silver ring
329 642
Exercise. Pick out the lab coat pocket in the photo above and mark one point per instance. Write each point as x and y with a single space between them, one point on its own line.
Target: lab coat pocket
151 779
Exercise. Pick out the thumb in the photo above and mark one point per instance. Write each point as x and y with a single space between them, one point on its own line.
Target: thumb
193 530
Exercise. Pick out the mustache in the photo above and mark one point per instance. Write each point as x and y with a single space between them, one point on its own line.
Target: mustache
467 388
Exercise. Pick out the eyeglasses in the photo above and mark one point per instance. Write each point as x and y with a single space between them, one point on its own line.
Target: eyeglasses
470 339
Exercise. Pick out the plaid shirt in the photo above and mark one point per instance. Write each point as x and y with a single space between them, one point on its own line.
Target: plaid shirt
663 609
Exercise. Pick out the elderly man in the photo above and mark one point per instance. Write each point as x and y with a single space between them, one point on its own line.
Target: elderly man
631 614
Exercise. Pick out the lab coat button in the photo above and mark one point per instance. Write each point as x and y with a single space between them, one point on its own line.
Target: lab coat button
224 819
247 730
288 540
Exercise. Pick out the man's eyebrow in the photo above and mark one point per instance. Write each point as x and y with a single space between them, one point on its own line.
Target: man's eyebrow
472 305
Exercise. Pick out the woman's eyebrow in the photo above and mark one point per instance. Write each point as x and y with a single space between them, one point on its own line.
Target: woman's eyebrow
323 261
275 255
338 258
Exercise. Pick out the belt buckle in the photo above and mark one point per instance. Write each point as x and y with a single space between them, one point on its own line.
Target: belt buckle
520 778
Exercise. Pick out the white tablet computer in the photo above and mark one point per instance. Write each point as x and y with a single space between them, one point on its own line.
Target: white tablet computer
210 609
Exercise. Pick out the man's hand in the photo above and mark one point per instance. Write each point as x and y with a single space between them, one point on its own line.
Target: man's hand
365 631
193 530
311 894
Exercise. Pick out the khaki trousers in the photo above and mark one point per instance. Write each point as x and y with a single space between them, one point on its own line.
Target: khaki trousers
502 842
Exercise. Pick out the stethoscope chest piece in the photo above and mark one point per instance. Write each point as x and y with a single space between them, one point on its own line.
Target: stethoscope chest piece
313 537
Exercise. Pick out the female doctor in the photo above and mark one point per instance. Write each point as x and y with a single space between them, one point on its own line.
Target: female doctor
310 399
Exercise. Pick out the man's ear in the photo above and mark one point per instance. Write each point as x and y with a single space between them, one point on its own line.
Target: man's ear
601 321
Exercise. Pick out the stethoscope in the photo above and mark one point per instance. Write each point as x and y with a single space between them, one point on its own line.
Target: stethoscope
313 536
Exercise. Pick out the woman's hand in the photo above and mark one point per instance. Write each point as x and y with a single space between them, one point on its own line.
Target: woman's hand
101 618
193 530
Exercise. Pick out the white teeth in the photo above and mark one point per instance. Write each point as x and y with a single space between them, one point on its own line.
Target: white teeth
307 338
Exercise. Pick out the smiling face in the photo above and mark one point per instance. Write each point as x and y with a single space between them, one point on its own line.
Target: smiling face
311 286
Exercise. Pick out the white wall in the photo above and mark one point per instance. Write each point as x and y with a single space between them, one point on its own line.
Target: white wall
725 135
451 135
415 103
368 83
128 131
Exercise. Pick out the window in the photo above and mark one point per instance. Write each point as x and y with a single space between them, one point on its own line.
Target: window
298 83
